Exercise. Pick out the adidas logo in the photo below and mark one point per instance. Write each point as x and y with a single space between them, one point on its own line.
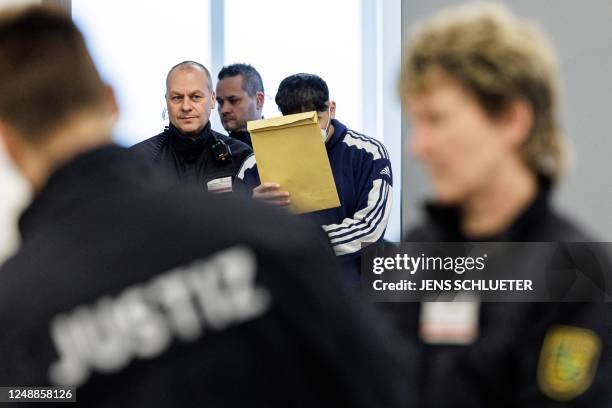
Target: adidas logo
386 171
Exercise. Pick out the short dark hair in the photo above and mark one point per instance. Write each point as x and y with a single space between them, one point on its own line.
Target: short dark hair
188 65
47 73
302 93
251 80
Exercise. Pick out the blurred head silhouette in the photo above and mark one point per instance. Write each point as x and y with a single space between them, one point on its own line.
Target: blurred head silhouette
53 103
479 86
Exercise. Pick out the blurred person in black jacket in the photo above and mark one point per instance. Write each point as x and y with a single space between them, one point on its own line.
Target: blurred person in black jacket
479 87
142 292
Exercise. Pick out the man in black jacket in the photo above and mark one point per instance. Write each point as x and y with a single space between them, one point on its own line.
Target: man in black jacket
479 87
188 149
142 292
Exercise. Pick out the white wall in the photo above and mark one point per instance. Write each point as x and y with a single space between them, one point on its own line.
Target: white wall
381 109
134 48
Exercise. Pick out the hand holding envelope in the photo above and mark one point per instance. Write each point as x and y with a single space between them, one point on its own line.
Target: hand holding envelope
271 193
290 153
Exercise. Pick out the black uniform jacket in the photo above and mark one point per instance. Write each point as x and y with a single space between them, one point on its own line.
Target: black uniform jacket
146 293
192 159
500 369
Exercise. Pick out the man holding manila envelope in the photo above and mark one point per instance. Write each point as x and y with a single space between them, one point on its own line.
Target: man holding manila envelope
344 184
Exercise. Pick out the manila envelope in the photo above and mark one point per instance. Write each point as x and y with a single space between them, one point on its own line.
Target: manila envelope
289 151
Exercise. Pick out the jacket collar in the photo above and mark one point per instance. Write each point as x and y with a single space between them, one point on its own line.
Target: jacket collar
446 219
189 148
339 132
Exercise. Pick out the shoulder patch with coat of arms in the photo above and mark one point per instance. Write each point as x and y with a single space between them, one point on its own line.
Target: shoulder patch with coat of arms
568 362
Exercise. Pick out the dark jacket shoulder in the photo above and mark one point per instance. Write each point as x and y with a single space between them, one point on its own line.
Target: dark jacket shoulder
538 222
148 147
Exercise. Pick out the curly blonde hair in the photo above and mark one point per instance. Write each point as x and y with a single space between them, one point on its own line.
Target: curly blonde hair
499 58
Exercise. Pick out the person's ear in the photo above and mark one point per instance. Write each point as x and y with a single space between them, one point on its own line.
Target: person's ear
213 100
518 122
111 102
11 144
4 140
259 100
332 109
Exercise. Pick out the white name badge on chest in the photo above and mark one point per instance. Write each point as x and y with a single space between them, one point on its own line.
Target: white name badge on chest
453 323
220 185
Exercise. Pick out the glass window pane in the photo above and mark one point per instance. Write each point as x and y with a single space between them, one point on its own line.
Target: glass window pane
134 43
280 38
